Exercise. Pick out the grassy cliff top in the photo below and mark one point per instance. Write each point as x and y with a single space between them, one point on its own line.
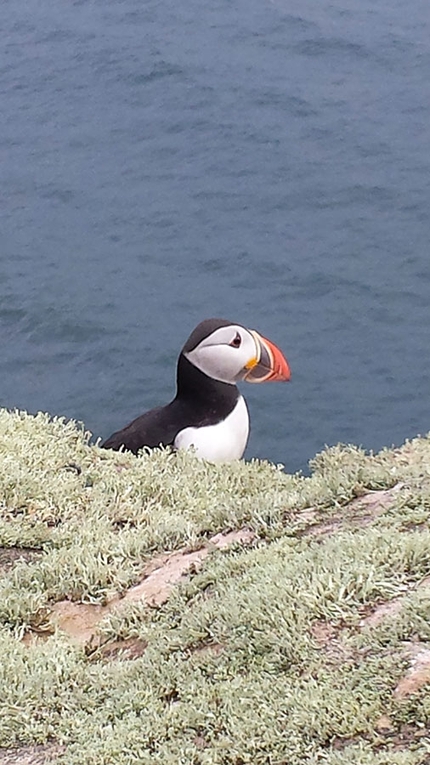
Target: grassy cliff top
160 609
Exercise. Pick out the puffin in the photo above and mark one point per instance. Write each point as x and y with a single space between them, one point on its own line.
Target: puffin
208 412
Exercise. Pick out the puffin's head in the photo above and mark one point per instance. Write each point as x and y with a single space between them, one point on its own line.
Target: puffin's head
230 353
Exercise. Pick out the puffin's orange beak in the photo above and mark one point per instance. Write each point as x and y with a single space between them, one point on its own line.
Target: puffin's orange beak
269 364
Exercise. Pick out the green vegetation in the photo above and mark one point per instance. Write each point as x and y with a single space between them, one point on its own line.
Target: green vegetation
265 655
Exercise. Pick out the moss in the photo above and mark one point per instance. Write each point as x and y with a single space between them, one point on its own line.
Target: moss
235 670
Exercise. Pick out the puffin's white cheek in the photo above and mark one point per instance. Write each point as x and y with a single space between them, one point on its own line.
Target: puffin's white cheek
221 362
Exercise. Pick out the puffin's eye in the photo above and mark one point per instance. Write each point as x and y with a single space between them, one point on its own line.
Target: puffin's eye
237 341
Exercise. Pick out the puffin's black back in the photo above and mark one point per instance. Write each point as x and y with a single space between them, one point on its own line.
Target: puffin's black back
159 426
199 401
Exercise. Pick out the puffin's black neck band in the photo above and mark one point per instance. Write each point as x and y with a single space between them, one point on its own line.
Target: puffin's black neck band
193 385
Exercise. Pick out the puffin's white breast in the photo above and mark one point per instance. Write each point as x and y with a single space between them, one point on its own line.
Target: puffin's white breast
222 442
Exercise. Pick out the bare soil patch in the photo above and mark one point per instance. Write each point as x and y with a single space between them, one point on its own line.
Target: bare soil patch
328 637
126 650
375 615
392 738
41 754
11 555
366 508
418 674
382 611
80 620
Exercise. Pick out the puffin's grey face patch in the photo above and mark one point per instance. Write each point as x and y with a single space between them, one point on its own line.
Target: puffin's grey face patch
225 353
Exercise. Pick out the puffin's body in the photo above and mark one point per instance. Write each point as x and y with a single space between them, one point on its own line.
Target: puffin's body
208 411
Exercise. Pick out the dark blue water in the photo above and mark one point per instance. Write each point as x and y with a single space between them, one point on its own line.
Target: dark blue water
268 162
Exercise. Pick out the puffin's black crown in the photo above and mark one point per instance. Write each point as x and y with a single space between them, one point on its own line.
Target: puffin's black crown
204 329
